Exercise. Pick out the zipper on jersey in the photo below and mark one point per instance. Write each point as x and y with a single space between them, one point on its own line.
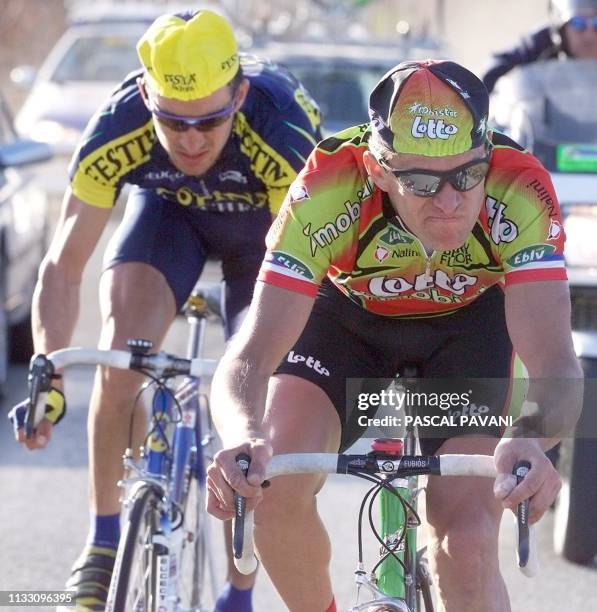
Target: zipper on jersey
428 257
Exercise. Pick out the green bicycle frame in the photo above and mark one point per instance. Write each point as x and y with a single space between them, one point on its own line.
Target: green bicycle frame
394 579
391 577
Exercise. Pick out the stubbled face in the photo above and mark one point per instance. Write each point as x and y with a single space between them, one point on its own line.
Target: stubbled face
582 44
443 221
194 152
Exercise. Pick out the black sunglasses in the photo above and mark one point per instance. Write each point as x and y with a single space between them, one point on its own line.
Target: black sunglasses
426 183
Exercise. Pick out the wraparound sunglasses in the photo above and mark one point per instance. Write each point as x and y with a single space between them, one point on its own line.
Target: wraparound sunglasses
426 183
180 123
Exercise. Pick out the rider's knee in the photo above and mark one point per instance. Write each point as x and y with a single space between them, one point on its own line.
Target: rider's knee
470 545
114 391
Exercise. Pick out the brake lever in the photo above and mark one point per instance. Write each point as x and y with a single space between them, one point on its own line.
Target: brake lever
41 372
521 469
243 461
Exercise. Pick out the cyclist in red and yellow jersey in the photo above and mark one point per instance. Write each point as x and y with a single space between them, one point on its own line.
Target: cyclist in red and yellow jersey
420 238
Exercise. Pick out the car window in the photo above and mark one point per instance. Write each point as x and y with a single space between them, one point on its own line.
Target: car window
98 58
341 91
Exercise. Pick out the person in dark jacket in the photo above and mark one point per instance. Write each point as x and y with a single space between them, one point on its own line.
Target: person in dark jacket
572 33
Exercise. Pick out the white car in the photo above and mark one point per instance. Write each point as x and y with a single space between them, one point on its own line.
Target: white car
22 239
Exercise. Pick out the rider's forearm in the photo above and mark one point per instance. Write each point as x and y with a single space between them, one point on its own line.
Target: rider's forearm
238 395
553 405
55 308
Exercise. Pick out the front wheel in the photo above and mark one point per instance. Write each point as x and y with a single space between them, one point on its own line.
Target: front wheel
575 529
193 564
135 576
424 597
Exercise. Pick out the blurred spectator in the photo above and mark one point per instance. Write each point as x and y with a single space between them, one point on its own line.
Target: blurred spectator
572 33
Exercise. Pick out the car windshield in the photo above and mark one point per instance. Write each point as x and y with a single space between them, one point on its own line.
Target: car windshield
98 58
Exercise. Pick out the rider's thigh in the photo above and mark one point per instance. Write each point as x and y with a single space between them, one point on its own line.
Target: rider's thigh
464 509
136 302
299 418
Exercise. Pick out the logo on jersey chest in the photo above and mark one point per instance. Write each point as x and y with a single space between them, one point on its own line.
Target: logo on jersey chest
395 236
233 175
381 253
391 287
457 257
216 200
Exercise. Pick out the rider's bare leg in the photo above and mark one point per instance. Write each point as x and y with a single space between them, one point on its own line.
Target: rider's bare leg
464 520
292 542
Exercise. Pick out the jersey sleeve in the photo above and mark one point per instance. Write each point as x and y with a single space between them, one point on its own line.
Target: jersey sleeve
526 225
279 131
317 226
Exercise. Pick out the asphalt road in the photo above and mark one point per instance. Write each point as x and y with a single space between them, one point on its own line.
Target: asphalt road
43 513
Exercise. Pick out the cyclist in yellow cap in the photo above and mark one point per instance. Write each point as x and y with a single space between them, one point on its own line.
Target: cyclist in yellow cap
210 142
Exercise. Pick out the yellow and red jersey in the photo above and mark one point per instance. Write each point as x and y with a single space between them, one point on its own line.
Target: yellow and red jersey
334 222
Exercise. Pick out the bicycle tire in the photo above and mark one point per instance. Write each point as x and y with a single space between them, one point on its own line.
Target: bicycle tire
424 597
141 525
575 530
193 570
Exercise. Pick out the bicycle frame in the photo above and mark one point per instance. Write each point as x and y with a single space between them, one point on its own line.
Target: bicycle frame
396 580
171 462
172 456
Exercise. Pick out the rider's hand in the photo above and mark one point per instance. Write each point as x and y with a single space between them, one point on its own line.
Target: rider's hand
224 477
55 410
541 484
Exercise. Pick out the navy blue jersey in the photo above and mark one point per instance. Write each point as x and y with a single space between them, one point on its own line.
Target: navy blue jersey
272 136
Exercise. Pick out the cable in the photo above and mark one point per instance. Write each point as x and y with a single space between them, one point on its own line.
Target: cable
389 551
381 483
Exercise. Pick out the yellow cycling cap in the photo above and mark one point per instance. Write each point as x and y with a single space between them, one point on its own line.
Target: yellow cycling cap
189 57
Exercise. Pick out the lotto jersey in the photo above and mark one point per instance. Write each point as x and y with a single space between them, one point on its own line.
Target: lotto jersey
335 222
273 133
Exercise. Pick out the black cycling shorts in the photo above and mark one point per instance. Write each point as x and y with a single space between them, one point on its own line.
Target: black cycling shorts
342 344
177 241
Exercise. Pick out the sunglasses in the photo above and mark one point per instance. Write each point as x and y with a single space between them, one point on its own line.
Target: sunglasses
180 123
580 23
426 183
